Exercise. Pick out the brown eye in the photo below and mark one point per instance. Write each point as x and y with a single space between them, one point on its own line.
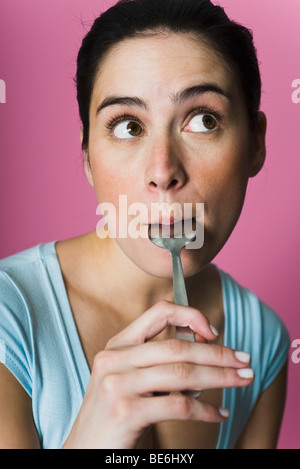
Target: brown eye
202 123
134 129
128 129
209 121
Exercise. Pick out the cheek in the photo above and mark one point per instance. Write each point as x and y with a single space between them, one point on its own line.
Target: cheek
228 169
222 178
110 182
227 204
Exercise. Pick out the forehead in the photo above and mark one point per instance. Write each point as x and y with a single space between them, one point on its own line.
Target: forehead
159 64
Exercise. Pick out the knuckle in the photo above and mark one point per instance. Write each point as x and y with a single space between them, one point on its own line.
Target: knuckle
228 377
176 346
168 308
110 384
163 308
123 408
102 362
209 412
163 305
182 406
219 353
182 371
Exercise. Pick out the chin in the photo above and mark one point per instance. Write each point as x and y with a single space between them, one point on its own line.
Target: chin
157 262
153 260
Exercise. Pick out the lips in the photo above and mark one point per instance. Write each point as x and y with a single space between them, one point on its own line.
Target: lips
172 227
168 219
165 214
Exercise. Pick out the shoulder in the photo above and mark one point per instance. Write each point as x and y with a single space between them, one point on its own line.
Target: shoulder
18 274
254 326
21 290
22 268
249 309
22 278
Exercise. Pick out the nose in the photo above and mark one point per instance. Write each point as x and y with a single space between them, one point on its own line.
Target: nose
165 169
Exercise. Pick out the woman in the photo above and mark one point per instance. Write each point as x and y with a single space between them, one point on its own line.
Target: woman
169 95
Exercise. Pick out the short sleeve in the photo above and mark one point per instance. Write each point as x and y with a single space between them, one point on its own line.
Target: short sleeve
15 332
275 346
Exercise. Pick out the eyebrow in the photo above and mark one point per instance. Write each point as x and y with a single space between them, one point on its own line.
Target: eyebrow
176 98
125 101
194 91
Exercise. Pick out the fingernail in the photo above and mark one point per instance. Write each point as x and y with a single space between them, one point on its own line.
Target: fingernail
224 412
243 357
214 330
245 373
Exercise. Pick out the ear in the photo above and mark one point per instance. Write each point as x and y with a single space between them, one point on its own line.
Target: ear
86 161
259 145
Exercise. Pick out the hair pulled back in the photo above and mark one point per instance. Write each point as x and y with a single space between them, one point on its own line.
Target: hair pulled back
133 18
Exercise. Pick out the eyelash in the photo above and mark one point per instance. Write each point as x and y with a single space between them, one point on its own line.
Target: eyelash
127 117
207 110
121 118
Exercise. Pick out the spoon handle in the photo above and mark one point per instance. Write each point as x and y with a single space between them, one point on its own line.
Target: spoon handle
180 296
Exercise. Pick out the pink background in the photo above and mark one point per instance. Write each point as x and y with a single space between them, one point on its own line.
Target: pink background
44 194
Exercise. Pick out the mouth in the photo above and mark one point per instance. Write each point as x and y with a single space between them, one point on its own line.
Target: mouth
172 228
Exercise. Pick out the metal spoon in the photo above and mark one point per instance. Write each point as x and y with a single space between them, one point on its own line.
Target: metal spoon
174 246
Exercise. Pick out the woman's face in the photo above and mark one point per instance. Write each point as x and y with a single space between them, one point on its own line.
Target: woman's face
168 124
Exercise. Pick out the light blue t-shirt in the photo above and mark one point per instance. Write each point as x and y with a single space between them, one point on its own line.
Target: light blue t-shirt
40 345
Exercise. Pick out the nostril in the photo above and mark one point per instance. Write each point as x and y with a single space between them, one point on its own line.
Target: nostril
169 185
173 183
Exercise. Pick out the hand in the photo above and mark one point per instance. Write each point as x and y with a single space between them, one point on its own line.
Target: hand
120 401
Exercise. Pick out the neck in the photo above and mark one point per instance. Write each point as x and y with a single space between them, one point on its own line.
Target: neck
113 276
99 271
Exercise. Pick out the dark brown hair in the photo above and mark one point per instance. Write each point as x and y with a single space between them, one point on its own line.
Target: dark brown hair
131 18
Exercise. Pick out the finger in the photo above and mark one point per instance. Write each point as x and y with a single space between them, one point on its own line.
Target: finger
178 376
178 407
170 351
157 318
